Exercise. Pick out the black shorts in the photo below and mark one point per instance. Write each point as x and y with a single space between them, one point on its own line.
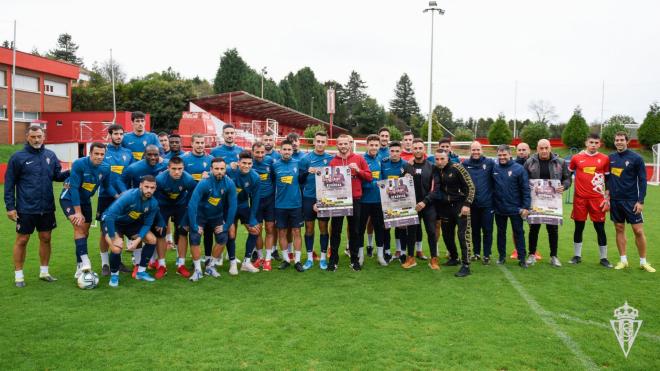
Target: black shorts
621 211
266 210
67 208
195 238
174 214
242 215
27 223
308 210
288 218
102 205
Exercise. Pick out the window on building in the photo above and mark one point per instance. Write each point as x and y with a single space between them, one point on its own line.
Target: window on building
55 88
3 113
28 83
26 116
3 78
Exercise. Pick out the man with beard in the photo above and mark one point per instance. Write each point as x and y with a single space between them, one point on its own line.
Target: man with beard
138 140
228 150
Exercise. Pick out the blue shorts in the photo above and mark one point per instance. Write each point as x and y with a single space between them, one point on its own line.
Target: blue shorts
102 205
308 210
288 218
174 213
27 223
266 210
621 211
196 238
131 230
67 208
242 215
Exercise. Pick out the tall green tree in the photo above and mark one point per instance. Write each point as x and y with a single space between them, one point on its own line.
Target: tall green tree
532 133
576 130
499 132
369 116
442 115
649 132
404 105
234 74
66 50
354 93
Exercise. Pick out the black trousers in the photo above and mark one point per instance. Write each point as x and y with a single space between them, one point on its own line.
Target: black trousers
450 220
375 212
336 226
482 228
429 216
553 237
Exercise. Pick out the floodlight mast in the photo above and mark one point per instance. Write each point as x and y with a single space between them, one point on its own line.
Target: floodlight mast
433 7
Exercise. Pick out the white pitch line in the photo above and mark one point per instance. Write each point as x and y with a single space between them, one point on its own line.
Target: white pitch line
602 325
546 317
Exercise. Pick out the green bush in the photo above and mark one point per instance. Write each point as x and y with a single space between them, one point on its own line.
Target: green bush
311 130
395 133
576 131
608 133
463 135
532 133
436 134
499 132
649 132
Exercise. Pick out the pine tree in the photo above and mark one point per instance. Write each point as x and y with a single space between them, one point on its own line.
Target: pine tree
404 105
649 132
66 50
576 131
499 132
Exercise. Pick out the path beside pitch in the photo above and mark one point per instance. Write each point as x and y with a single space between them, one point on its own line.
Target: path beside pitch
548 319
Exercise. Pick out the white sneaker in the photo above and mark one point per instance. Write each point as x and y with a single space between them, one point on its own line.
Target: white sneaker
233 269
361 258
248 267
220 262
381 260
78 273
196 276
554 261
210 271
531 259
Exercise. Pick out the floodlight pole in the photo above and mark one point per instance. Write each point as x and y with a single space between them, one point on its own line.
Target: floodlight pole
433 7
263 72
13 89
114 98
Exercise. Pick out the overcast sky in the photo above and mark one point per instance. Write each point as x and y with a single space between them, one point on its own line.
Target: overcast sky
560 51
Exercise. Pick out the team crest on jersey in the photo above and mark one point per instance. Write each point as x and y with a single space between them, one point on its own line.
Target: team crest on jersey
627 163
247 184
123 157
295 169
146 209
204 163
180 188
100 176
144 142
325 161
222 191
48 160
401 170
510 172
484 166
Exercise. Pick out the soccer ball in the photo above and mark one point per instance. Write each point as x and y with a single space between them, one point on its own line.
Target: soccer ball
88 280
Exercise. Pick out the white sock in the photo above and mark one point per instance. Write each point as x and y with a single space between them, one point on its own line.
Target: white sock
269 253
206 257
260 253
323 255
603 252
198 265
642 261
43 269
577 248
285 256
361 252
246 260
137 256
154 255
380 251
624 259
85 259
289 247
398 244
418 246
370 240
180 262
105 260
161 262
168 238
18 275
297 256
142 269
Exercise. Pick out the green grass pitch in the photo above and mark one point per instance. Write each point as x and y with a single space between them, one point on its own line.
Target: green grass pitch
500 318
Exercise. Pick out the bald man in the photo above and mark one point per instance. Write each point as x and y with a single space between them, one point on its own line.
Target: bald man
522 153
546 165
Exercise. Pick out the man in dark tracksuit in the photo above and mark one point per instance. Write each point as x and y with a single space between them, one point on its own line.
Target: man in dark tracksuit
455 188
482 214
30 201
546 165
512 201
422 172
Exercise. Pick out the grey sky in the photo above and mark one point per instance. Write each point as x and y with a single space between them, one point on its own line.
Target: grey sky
559 51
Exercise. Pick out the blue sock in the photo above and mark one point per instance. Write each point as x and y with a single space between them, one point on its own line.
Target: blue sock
115 260
324 242
250 244
309 244
147 251
81 248
231 249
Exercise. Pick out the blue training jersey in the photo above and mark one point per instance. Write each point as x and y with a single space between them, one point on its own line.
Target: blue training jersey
228 153
247 191
85 179
287 186
196 165
133 174
137 144
118 158
312 160
370 191
172 192
627 179
209 200
392 170
383 153
263 168
130 208
274 155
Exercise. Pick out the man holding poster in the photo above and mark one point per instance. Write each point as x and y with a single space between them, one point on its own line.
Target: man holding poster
548 178
359 172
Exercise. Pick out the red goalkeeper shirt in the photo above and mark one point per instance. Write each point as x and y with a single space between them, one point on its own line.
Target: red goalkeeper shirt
590 172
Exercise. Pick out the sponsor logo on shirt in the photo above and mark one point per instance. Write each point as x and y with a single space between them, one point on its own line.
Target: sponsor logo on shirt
616 171
589 170
263 177
214 201
134 214
137 155
197 177
375 174
173 196
88 186
287 179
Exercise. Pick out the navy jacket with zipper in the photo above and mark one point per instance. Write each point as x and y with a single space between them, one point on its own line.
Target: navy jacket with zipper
29 180
481 172
511 188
